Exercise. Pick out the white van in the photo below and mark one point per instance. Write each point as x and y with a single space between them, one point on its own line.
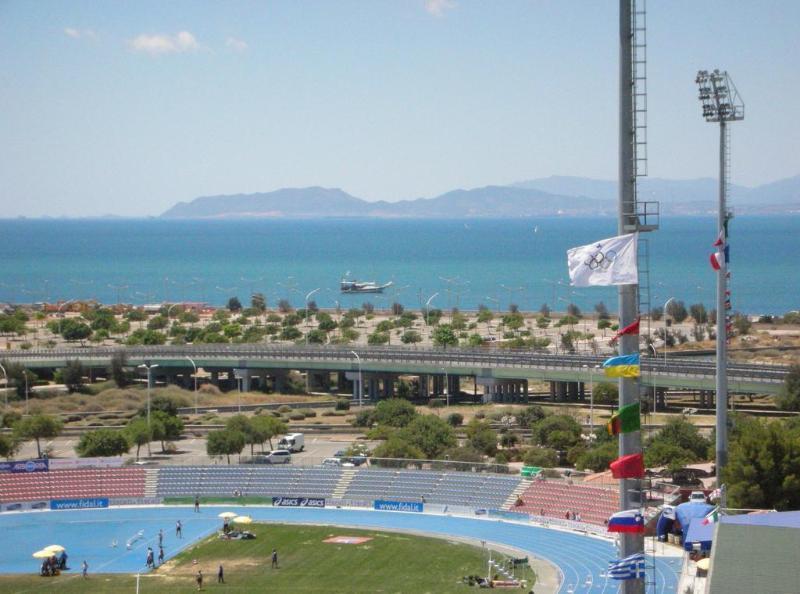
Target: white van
294 442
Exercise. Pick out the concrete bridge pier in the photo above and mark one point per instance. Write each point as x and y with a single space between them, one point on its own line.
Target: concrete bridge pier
454 387
388 386
355 381
319 381
242 377
424 387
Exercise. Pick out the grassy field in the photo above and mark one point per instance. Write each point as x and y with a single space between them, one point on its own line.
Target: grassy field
389 562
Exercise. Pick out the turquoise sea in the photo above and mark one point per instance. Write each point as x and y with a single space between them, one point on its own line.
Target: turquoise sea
492 262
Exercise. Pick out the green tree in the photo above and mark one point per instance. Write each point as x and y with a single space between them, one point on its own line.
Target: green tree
763 469
530 414
8 446
395 412
605 393
165 427
244 425
482 437
148 337
742 324
290 333
462 454
158 322
698 313
677 311
789 395
72 330
543 322
378 338
542 430
455 419
484 314
72 375
598 458
397 447
103 442
38 427
444 336
139 433
224 443
664 453
234 304
410 337
543 457
258 302
16 375
430 434
266 427
683 434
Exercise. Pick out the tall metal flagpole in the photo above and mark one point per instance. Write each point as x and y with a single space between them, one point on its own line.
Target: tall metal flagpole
722 326
629 443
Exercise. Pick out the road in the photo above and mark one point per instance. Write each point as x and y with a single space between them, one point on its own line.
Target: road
676 372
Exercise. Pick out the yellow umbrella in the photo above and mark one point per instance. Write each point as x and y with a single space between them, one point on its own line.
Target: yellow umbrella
42 554
227 515
704 563
54 548
243 520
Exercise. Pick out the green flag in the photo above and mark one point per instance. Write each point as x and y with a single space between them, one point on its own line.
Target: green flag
625 420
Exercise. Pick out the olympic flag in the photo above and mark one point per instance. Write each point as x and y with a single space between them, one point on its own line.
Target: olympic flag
606 262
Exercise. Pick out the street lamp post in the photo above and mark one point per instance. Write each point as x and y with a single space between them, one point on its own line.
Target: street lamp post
149 368
428 306
195 382
591 395
360 378
308 297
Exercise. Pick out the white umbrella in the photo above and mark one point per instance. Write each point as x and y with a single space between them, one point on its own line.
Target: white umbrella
243 520
42 554
227 515
54 548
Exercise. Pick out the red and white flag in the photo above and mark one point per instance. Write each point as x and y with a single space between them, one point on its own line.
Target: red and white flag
717 260
720 239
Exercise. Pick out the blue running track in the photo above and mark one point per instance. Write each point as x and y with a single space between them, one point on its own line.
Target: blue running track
90 534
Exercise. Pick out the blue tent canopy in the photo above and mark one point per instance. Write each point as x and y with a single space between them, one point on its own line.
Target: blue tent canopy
698 533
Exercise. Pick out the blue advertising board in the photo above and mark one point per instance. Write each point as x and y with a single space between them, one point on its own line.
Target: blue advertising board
404 506
86 503
41 465
298 502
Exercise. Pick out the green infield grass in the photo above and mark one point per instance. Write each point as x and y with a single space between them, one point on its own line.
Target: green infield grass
388 562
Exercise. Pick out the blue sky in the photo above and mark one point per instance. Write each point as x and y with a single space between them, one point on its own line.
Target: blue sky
128 107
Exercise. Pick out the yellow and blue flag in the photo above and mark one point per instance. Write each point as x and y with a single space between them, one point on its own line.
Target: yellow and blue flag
622 366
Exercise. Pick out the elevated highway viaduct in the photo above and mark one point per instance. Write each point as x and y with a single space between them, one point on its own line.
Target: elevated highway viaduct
499 374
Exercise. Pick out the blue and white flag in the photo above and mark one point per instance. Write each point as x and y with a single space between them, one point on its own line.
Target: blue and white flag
629 568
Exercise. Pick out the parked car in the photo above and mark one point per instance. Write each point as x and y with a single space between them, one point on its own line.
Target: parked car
274 457
697 496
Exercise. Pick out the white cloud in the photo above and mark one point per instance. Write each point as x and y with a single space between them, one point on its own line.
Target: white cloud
237 45
183 41
78 33
438 7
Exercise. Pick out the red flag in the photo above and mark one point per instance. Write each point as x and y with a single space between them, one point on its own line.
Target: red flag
632 328
720 239
625 467
716 260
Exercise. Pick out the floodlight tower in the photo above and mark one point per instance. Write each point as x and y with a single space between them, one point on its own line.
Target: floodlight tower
721 103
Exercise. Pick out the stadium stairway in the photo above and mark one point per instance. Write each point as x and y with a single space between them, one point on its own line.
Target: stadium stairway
348 474
151 482
517 493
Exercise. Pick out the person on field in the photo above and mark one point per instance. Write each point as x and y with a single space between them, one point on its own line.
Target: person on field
199 579
160 555
84 570
220 575
178 529
274 558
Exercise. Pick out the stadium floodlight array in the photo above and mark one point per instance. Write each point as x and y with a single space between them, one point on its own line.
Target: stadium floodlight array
719 97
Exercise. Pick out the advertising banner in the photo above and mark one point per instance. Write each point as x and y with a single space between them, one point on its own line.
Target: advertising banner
404 506
87 503
22 466
77 463
298 502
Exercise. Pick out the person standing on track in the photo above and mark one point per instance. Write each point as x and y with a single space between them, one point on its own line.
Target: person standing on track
220 575
178 529
274 558
197 504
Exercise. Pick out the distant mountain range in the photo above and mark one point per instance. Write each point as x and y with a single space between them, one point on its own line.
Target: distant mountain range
557 195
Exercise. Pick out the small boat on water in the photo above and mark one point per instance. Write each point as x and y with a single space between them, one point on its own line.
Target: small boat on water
354 286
